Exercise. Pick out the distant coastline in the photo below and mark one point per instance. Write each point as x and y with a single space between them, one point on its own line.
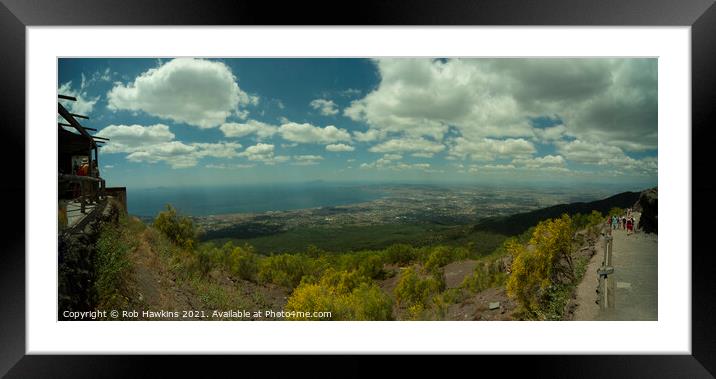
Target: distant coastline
280 197
205 201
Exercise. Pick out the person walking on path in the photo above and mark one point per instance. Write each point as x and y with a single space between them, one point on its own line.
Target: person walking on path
615 222
630 225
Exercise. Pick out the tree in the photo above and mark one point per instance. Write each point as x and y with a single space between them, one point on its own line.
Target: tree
179 229
544 262
616 211
414 292
345 295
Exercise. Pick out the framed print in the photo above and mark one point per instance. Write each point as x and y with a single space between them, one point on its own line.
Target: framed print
461 182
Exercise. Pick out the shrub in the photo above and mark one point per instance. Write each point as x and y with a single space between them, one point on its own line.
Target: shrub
346 295
595 219
486 275
111 262
544 263
179 229
288 269
243 263
462 253
439 257
616 211
371 266
591 222
400 253
413 290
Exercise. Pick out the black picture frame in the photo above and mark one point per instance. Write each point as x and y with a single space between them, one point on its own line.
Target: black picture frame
16 15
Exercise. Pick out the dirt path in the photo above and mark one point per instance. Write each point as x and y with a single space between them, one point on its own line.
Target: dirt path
586 306
456 272
155 287
635 275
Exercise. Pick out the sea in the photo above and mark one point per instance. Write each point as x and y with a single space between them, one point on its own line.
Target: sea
206 201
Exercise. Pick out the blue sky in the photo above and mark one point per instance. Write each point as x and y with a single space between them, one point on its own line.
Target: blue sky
206 122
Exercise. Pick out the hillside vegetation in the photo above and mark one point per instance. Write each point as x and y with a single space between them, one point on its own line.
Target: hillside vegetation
368 237
537 269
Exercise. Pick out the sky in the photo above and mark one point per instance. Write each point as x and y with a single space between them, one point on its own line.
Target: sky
211 122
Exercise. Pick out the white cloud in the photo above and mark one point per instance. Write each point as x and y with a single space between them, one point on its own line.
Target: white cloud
127 138
242 114
176 154
106 75
388 164
339 147
370 135
551 133
350 92
392 162
217 150
306 160
307 133
408 166
422 155
84 103
545 163
278 159
219 166
600 154
421 97
224 166
590 152
326 107
155 143
258 150
194 91
488 149
409 145
380 163
474 169
180 155
612 100
263 152
538 162
97 76
260 129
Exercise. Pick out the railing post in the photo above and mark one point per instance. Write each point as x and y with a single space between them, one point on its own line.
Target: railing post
610 281
606 285
604 278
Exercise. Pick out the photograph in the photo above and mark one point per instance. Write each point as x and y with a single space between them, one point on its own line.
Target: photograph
357 189
398 173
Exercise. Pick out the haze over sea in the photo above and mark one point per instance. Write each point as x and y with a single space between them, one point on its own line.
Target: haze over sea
255 198
204 201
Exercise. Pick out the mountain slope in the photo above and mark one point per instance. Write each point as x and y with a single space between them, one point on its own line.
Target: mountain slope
518 223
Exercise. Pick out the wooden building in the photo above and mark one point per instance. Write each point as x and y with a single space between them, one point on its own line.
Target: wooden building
81 188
